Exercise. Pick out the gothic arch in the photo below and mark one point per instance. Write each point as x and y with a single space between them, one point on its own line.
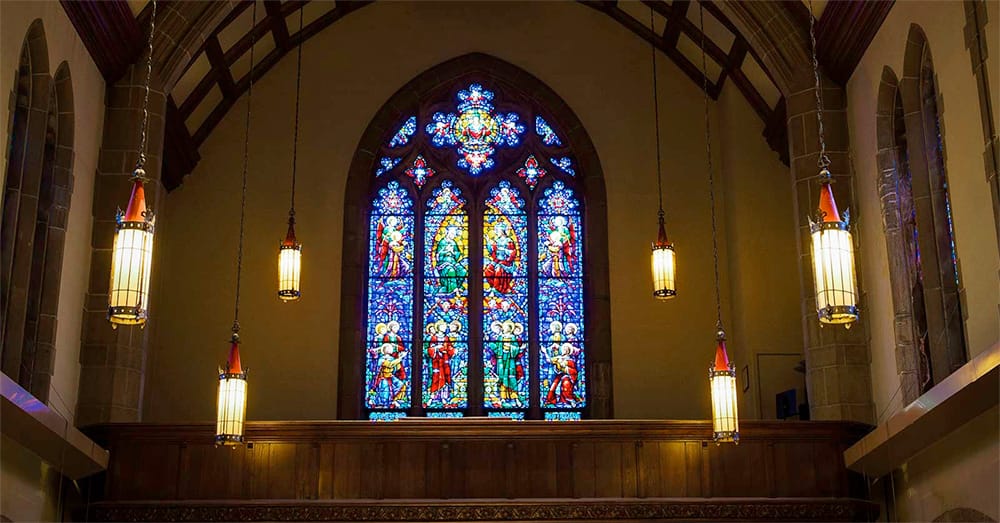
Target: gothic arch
921 106
483 67
23 178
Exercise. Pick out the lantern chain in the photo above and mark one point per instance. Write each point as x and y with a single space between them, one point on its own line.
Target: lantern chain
824 160
656 116
141 162
295 136
711 178
243 197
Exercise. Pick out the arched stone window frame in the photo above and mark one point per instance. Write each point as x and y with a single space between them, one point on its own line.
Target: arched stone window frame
37 193
471 68
926 284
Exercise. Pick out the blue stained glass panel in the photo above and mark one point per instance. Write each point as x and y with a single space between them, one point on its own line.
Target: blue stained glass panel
562 369
444 415
505 299
390 301
544 130
385 164
562 416
446 292
565 164
402 136
512 414
386 416
476 130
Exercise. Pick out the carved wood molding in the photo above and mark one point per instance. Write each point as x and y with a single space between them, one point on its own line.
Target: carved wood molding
717 509
482 429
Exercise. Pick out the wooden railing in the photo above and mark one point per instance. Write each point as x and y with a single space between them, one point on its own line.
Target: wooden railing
469 459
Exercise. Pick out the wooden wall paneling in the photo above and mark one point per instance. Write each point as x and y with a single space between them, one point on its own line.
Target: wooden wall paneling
673 468
608 469
692 468
648 462
564 470
828 482
347 470
372 470
509 470
413 470
433 474
392 465
584 469
324 476
630 485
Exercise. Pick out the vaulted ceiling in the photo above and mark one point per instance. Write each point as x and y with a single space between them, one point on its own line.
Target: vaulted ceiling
217 73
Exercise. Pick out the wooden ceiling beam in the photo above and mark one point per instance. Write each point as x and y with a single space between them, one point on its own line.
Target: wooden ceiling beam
223 75
672 31
844 33
110 33
276 21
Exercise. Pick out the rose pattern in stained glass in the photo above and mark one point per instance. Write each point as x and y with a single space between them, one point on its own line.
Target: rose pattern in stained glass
531 172
419 171
475 130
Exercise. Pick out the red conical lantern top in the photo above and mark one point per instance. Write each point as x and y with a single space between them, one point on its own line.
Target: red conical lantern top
290 240
721 358
233 364
136 203
827 205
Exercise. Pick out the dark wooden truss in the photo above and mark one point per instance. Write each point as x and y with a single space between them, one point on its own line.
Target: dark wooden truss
109 32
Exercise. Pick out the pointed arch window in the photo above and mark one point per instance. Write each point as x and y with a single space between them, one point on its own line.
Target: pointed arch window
475 288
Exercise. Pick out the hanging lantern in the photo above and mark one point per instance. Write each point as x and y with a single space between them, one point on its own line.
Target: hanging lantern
232 399
722 376
131 259
663 265
833 261
289 265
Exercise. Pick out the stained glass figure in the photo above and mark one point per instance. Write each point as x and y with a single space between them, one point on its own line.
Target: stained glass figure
505 299
531 172
565 164
475 130
386 416
562 416
386 163
402 136
446 293
544 130
390 302
419 171
562 376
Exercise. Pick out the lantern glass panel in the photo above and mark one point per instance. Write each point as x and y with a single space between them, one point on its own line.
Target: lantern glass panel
725 421
289 272
231 408
833 273
130 270
663 265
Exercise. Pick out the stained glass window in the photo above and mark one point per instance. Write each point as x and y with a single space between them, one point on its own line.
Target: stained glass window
562 372
475 130
446 300
390 307
404 133
544 130
498 331
531 172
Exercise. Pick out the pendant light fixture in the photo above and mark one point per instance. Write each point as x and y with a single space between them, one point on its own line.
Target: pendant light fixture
132 253
663 257
232 400
832 246
721 374
290 251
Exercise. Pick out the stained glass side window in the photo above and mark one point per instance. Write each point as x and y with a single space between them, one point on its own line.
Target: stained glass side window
562 369
544 130
505 299
402 136
446 297
390 300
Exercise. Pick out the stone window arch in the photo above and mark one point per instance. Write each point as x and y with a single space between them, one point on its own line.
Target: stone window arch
39 184
916 215
413 155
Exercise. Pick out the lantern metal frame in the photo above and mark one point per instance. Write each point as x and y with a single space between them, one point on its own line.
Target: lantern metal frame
662 244
289 286
225 375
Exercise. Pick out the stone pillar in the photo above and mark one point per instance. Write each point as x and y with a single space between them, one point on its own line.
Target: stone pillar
111 361
838 377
